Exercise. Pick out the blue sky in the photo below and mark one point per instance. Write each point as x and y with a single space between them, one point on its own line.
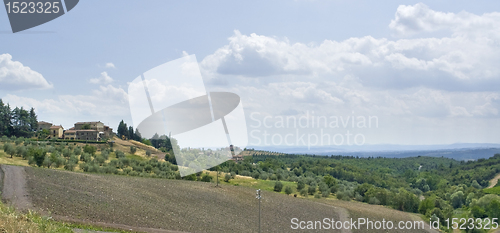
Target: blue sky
428 70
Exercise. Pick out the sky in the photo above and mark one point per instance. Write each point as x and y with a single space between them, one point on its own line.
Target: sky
424 72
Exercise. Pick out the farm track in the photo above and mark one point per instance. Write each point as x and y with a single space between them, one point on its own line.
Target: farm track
14 187
494 181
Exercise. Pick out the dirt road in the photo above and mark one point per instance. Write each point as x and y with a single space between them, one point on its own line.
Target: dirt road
494 181
14 187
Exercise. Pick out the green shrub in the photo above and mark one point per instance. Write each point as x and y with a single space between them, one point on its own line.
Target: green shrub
19 141
105 154
358 197
190 177
374 201
21 151
70 166
325 194
77 150
9 149
206 178
301 185
288 190
119 154
85 157
478 212
38 155
343 196
66 152
312 188
227 177
127 170
303 192
100 159
89 149
278 186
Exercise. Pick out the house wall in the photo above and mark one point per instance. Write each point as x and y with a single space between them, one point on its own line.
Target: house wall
70 136
99 126
91 135
44 126
56 133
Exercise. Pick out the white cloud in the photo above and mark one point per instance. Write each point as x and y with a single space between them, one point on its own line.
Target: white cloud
410 20
15 76
107 104
103 79
461 62
110 92
110 65
436 81
303 92
257 55
466 60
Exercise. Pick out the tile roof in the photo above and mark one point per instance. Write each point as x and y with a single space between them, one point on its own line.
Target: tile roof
89 122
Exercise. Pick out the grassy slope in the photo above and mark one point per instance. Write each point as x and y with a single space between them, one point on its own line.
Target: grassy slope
121 145
6 159
124 145
247 181
494 190
32 222
11 221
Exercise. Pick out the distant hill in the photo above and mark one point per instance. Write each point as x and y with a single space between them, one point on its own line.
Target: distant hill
458 154
458 151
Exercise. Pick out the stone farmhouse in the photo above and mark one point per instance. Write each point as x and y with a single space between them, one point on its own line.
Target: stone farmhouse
56 131
44 125
88 131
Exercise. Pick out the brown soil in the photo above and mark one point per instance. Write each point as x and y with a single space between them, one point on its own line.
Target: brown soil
167 206
176 205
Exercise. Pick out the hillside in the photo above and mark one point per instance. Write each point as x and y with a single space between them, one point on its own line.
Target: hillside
124 145
409 184
145 203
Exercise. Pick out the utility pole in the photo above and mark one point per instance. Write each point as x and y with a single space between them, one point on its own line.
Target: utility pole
217 178
259 197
